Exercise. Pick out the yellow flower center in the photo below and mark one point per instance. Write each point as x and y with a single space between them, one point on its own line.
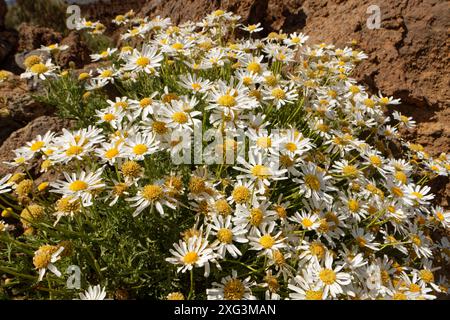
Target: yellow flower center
418 195
426 275
247 81
414 287
218 13
222 207
400 176
440 216
278 93
317 249
312 182
354 89
32 60
286 161
256 216
290 146
121 104
353 205
361 241
307 223
111 153
190 257
369 103
416 240
106 74
264 142
196 86
159 127
109 117
271 80
67 205
241 194
234 290
43 256
349 170
131 169
145 102
375 160
39 68
313 295
261 172
327 276
267 241
140 149
152 192
197 185
24 187
254 67
227 101
74 150
281 212
180 117
177 46
399 296
280 56
175 296
142 62
37 145
278 257
225 235
396 191
78 185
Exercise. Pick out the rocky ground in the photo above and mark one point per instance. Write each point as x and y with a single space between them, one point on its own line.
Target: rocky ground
408 56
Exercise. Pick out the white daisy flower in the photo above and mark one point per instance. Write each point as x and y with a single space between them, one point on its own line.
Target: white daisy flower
94 293
79 186
152 195
226 234
231 288
194 252
332 279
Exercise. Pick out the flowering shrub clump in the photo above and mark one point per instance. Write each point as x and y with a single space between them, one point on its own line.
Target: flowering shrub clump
212 166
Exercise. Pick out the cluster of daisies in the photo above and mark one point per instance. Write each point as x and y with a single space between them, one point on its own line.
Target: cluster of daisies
317 206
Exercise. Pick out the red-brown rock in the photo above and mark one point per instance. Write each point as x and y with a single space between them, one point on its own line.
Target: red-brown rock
33 37
78 52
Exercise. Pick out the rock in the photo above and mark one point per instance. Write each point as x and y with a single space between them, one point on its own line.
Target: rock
17 106
20 137
78 52
33 37
3 10
8 43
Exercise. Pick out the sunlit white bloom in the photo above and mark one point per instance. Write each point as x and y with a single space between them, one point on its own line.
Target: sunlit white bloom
40 71
331 277
231 288
147 60
417 195
79 186
226 234
140 145
194 252
94 293
108 53
154 196
44 259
